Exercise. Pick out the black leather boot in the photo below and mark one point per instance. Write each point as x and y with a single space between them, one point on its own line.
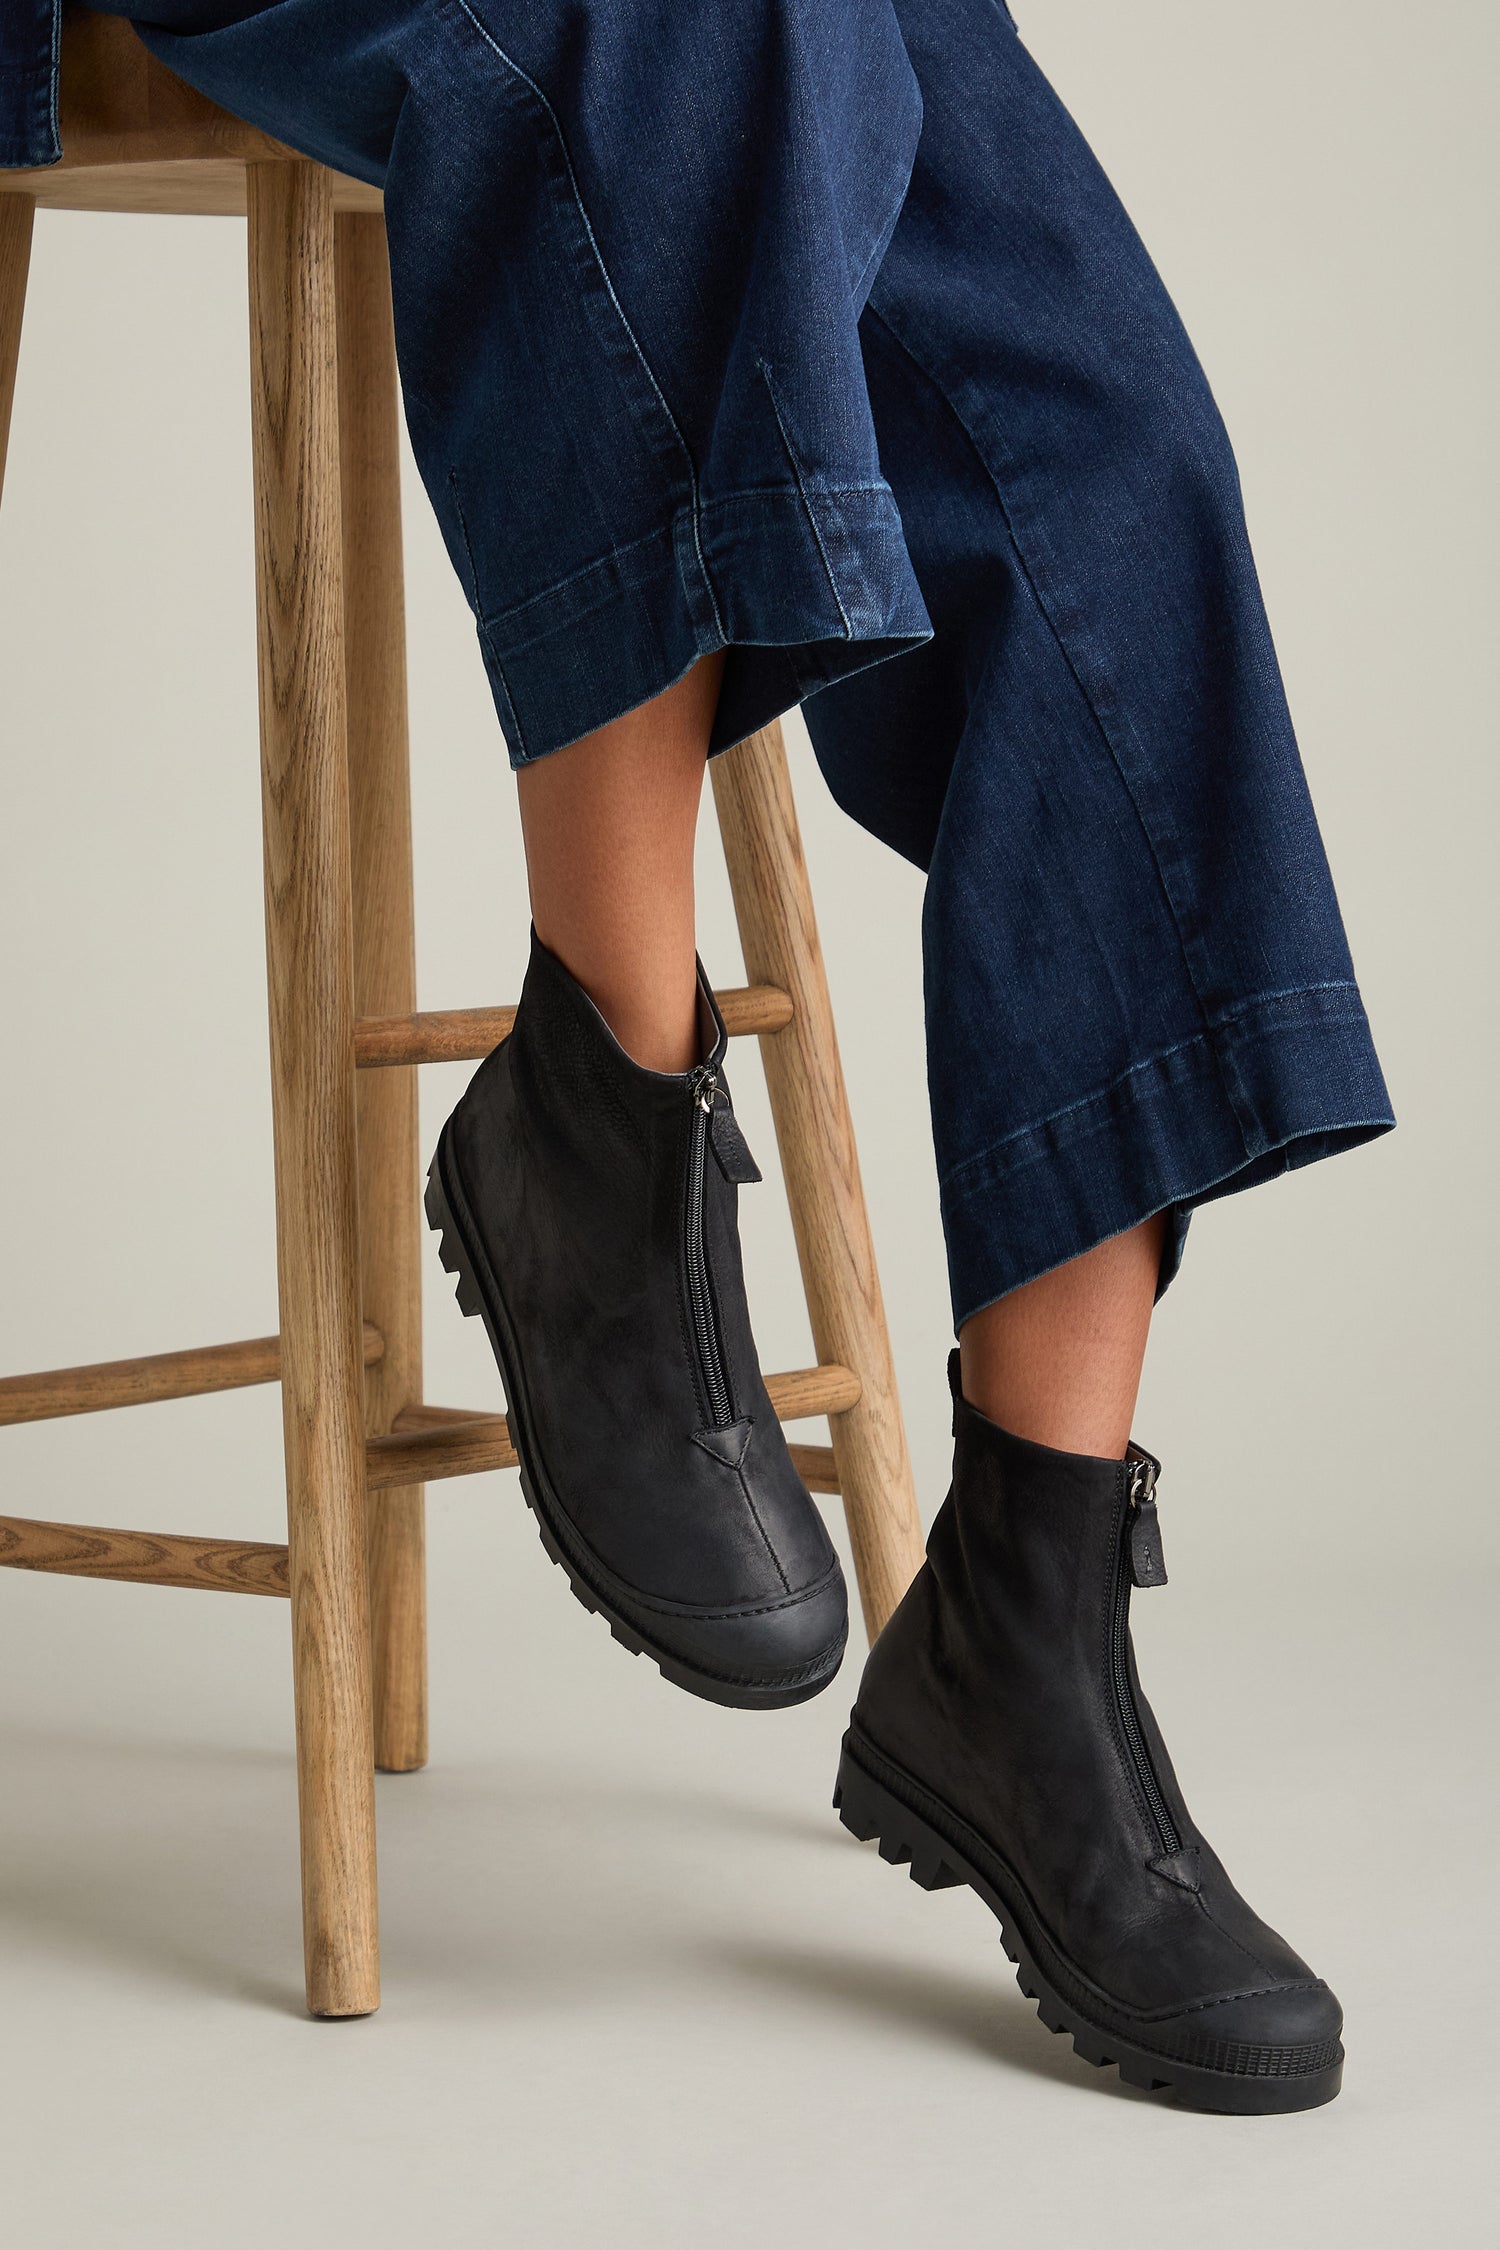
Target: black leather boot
588 1208
1000 1739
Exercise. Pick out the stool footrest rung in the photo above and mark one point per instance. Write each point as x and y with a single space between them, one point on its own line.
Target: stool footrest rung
814 1464
138 1382
469 1034
144 1558
431 1442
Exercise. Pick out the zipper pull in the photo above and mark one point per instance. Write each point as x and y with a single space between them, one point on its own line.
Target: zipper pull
731 1150
703 1085
1147 1563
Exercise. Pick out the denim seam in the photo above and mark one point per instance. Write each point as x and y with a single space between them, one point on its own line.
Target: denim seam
614 298
486 641
796 36
812 521
860 291
663 534
463 532
1203 1041
779 492
752 493
54 83
1227 1016
497 677
1089 704
21 153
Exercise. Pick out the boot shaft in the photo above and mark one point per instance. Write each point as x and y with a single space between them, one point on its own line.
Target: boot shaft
1007 1681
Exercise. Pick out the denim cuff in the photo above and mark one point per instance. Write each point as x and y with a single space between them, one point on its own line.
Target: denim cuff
801 587
1274 1083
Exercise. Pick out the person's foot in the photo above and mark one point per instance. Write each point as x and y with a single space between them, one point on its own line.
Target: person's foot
1000 1738
588 1208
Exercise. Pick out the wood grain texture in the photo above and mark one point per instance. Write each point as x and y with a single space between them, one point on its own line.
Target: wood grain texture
469 1034
15 264
455 1441
815 1465
137 138
143 1558
466 1446
814 1131
118 104
200 187
309 956
385 960
46 1397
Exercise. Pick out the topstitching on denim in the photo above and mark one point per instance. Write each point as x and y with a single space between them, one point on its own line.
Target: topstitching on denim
28 83
613 294
807 507
601 565
1051 1133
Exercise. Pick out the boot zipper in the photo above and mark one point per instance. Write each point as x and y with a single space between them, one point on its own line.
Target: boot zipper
1140 1498
704 1087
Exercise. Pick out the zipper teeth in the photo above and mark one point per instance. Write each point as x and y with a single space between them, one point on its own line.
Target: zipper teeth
1166 1827
705 1331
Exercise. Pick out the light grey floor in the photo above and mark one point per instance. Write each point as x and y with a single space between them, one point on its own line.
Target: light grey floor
641 1989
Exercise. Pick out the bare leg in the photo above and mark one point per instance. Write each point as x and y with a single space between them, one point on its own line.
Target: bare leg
609 825
1059 1361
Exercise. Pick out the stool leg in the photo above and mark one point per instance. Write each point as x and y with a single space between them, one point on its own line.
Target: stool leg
15 264
773 903
309 957
385 961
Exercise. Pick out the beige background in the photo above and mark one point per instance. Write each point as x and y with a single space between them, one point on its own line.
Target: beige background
640 1989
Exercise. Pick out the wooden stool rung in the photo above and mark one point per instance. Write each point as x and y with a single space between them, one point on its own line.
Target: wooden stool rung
143 1558
815 1465
469 1034
57 1391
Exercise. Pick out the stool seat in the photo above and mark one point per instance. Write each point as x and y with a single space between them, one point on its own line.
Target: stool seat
135 138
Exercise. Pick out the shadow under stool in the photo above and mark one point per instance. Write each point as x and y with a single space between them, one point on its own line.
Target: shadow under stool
344 1028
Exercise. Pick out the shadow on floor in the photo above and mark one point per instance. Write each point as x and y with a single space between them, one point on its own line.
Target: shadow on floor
508 1887
504 1884
928 2003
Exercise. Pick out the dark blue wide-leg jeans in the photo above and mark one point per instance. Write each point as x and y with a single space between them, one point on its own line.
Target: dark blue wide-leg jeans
814 333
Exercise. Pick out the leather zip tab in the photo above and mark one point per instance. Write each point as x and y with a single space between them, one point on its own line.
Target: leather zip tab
1138 1562
1148 1565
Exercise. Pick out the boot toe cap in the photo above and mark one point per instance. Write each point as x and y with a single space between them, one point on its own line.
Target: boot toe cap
763 1655
1282 2030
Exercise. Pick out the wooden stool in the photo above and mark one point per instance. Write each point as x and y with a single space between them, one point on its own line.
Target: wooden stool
343 1021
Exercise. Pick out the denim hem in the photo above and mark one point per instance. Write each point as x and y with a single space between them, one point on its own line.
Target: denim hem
1274 1083
804 587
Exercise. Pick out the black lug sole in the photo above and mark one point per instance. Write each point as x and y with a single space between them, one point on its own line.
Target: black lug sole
875 1814
475 1302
